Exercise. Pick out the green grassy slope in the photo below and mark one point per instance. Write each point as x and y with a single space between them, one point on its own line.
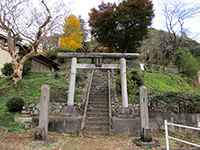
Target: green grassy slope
162 82
28 89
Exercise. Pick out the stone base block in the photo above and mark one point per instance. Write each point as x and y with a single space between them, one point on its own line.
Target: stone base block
128 126
63 123
146 135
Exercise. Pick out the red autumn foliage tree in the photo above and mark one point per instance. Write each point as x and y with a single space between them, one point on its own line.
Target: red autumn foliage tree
121 27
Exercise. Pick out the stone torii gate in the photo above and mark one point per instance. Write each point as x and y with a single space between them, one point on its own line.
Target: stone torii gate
98 65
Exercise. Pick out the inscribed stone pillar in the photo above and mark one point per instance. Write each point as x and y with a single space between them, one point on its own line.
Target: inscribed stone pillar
123 82
144 115
43 118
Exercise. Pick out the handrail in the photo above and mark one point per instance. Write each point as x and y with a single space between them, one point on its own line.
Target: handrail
87 100
182 126
109 101
167 137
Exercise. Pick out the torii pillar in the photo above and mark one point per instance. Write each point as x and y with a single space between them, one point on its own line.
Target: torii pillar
72 83
123 83
98 65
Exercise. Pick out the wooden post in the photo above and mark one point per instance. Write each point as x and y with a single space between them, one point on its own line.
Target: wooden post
144 115
198 120
41 133
72 83
123 82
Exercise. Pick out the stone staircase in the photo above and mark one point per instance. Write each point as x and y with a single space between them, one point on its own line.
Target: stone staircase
97 116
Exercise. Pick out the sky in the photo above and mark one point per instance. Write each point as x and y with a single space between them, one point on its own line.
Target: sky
82 8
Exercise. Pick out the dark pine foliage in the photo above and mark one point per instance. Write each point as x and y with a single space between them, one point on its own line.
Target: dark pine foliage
15 104
122 27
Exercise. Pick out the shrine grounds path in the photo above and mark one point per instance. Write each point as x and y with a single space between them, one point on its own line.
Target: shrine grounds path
24 141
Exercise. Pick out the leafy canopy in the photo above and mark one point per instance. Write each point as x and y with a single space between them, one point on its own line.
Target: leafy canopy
121 27
72 37
187 63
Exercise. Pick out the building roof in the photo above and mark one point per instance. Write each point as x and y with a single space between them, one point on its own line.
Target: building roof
39 58
46 61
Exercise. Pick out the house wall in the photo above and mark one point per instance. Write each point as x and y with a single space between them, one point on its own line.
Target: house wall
38 67
4 58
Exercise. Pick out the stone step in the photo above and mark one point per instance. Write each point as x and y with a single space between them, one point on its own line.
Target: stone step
93 106
96 109
100 121
98 104
94 117
98 96
94 133
98 128
102 87
95 101
99 86
98 82
98 101
97 114
97 122
100 114
103 90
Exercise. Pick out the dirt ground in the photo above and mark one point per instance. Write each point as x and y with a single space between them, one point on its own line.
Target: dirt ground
24 141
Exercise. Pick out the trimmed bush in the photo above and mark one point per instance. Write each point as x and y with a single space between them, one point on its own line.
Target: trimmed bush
7 69
15 104
137 76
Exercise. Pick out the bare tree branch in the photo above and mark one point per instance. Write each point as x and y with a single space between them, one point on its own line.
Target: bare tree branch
176 14
22 23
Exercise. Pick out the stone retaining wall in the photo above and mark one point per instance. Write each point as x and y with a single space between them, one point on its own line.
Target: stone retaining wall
131 126
62 123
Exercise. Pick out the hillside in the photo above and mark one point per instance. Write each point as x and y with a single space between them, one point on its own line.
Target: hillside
29 90
166 82
152 45
172 93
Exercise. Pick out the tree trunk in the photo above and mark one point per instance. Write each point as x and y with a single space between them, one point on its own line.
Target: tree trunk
17 71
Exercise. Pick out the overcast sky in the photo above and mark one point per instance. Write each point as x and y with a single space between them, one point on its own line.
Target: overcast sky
82 7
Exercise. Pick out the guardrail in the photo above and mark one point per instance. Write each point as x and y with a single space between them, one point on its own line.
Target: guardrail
87 100
167 137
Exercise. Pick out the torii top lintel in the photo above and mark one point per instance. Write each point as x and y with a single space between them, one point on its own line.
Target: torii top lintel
99 55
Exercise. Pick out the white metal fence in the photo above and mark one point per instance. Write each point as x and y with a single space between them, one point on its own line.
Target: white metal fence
168 137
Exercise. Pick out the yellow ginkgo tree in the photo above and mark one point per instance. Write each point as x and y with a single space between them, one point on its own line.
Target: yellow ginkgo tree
72 37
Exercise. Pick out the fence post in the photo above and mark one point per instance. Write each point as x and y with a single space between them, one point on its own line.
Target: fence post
166 135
